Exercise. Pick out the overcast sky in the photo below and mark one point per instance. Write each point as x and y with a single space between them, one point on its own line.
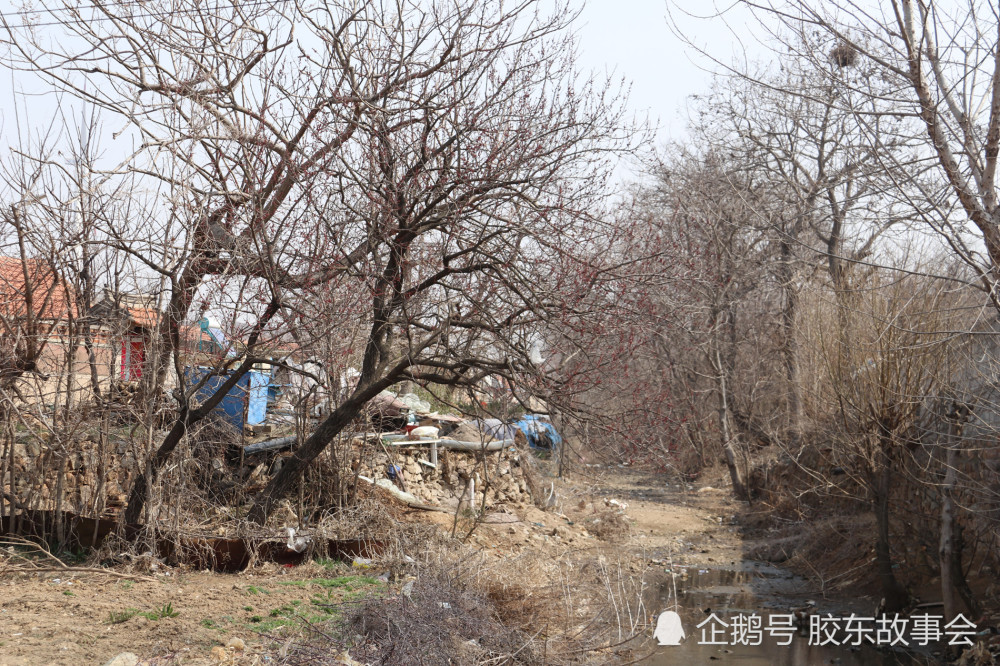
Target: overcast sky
633 39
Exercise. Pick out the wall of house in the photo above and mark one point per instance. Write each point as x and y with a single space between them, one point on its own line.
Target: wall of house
59 371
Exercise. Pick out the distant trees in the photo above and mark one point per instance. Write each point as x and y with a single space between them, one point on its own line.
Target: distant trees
708 214
860 171
934 67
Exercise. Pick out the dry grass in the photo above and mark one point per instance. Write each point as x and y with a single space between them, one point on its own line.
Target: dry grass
608 524
440 621
467 606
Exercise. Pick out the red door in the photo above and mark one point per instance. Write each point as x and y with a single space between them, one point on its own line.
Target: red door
133 355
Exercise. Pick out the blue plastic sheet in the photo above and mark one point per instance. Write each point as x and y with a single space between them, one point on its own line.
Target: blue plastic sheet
245 404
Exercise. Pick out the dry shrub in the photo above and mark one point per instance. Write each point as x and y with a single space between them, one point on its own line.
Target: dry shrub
447 617
442 622
373 515
214 445
468 606
531 469
980 655
810 484
608 524
516 605
837 552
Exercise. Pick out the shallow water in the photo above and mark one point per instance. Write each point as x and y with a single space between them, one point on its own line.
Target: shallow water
725 593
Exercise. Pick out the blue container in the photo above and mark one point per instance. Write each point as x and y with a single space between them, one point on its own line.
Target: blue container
257 397
245 404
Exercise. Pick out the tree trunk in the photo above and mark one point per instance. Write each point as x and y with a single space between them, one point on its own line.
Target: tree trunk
946 549
959 583
789 345
187 418
282 482
88 345
893 593
739 488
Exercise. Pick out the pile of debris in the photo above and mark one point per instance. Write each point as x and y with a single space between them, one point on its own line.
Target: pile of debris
458 479
440 460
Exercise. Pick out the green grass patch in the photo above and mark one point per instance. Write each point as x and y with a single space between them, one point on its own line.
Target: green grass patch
329 564
341 582
120 617
268 626
166 610
323 603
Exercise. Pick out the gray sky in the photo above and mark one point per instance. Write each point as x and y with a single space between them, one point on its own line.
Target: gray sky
633 39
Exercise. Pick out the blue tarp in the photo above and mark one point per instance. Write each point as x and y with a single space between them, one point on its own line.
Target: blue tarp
540 433
537 430
246 403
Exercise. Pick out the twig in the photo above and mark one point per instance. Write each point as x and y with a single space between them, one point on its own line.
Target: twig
28 567
68 569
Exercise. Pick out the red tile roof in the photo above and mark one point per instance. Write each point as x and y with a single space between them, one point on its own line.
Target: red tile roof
143 317
50 298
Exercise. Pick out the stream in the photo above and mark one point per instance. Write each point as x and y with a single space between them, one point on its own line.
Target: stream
704 595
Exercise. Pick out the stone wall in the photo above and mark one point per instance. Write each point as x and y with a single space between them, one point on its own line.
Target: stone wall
498 474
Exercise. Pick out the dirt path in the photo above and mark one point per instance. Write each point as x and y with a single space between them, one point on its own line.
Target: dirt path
696 522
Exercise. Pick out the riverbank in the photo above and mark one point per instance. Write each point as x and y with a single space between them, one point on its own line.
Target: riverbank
585 577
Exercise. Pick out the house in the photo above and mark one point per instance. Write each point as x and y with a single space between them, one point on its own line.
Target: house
37 317
43 334
31 280
130 320
72 347
43 354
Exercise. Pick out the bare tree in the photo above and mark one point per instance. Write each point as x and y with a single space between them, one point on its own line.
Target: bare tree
707 215
883 401
821 131
945 59
444 160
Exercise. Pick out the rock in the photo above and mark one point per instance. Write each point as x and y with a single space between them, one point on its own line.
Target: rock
123 659
399 494
236 645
